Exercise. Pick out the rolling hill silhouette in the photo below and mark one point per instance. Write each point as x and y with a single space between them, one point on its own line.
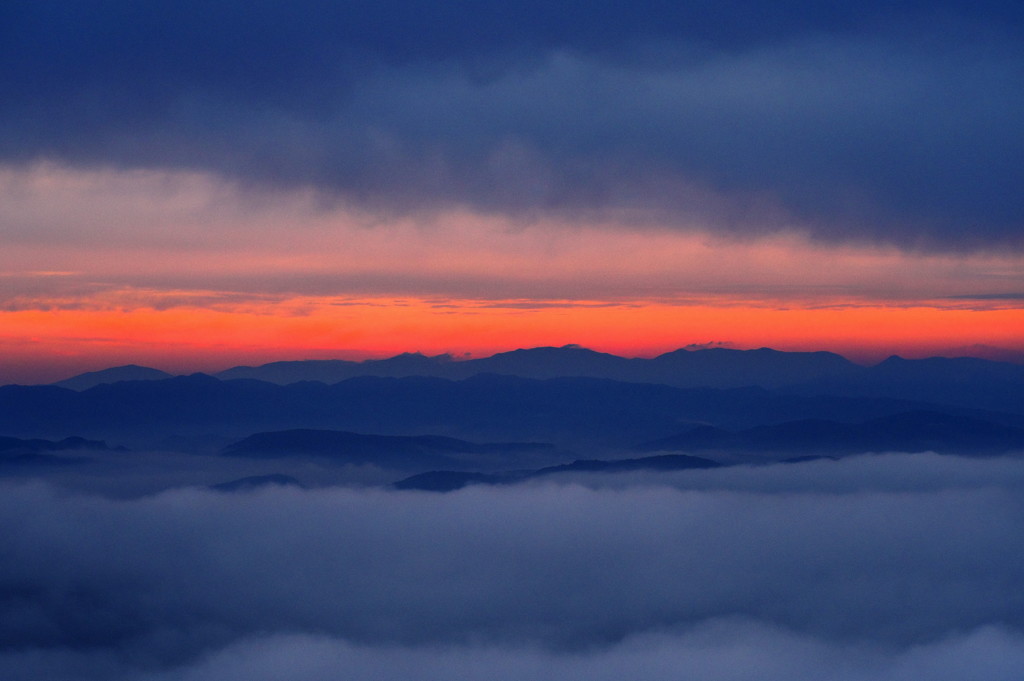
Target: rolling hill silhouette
916 431
715 367
386 451
549 411
36 451
129 372
447 481
964 382
568 412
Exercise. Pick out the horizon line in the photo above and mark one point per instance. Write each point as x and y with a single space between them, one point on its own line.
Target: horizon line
996 354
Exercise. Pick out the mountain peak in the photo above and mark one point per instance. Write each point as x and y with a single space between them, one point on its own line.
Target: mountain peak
128 372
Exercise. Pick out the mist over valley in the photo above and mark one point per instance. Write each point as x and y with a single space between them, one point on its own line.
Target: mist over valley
571 519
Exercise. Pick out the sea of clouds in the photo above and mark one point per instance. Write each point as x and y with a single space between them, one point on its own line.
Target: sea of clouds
874 567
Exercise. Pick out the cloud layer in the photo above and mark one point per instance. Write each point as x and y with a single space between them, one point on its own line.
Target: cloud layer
881 124
829 576
169 239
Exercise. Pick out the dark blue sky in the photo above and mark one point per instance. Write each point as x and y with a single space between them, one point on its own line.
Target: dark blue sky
891 122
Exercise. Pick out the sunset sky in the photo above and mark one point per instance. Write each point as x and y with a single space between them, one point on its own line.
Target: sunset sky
194 185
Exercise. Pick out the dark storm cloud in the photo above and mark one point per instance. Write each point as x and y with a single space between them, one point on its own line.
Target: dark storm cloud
895 123
878 581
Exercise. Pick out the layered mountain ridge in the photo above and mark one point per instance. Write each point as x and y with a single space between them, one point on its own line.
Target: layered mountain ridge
542 409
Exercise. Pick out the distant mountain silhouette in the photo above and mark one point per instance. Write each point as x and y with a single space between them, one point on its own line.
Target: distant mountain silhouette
550 362
15 450
963 381
715 367
966 382
129 372
597 414
255 482
542 406
906 432
664 462
981 351
447 481
764 367
386 451
14 445
335 370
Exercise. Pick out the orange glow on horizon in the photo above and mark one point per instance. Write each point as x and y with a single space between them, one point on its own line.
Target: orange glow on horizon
186 271
186 339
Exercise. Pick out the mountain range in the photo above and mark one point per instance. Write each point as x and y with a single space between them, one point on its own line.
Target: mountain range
37 451
965 381
447 481
386 451
539 409
568 412
917 431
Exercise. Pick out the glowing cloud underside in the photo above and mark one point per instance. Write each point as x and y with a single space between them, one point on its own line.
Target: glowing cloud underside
187 272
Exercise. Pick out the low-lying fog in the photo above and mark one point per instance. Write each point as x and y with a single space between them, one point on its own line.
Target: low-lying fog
873 567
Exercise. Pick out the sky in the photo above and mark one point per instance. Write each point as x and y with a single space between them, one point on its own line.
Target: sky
195 185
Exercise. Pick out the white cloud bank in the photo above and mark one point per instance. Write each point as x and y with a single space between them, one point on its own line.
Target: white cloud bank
832 576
